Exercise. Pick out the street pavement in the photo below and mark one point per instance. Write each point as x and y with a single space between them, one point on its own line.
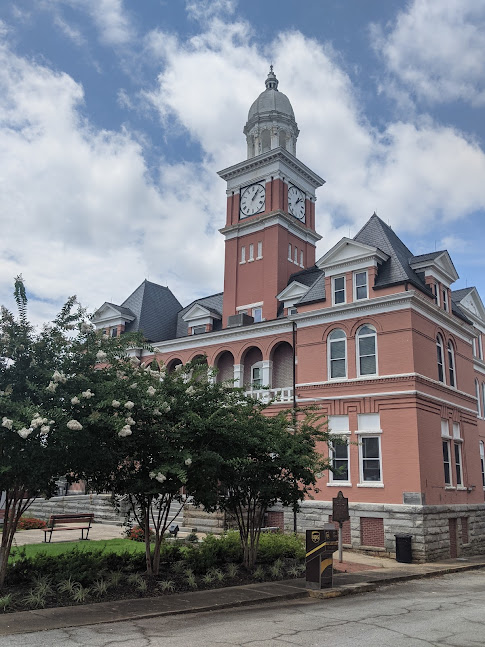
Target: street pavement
443 611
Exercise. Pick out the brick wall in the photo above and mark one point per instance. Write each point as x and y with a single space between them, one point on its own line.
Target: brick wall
275 518
346 537
282 366
372 531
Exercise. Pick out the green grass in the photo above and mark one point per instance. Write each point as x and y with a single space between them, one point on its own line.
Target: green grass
108 545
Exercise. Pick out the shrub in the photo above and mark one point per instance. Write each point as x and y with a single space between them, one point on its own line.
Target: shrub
31 523
137 533
274 546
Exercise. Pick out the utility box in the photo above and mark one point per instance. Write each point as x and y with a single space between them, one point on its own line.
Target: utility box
320 547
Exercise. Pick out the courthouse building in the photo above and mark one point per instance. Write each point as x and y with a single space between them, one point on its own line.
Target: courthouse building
373 335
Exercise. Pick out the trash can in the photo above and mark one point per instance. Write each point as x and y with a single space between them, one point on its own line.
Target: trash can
404 551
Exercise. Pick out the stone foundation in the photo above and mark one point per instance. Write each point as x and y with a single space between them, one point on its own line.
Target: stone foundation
429 526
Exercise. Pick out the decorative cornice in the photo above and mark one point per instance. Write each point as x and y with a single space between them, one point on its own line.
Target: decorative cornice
262 221
276 154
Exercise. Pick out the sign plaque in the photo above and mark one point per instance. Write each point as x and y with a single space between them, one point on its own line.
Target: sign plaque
340 512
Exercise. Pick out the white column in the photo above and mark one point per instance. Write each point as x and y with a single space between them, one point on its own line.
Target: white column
267 372
238 375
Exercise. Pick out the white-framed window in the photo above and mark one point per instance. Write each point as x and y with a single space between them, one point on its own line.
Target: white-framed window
339 450
483 396
360 286
451 364
436 292
198 330
366 350
251 252
296 256
446 462
440 356
290 258
301 258
337 354
370 455
338 289
257 314
482 461
114 332
256 376
480 347
458 467
479 401
260 250
445 300
243 255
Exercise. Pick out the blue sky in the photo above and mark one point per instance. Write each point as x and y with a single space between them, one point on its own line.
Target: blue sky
115 116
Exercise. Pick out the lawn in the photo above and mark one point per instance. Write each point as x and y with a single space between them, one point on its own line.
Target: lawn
109 545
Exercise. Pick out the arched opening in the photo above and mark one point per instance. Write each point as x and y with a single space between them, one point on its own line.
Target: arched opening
172 365
282 139
282 357
225 367
265 141
253 368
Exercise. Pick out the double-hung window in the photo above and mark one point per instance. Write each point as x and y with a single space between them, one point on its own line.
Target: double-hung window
440 358
366 351
339 450
338 290
446 448
243 255
290 258
257 315
251 252
337 354
479 401
370 449
256 376
482 461
457 442
451 364
360 285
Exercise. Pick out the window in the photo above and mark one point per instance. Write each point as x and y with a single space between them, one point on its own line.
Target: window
301 258
114 332
458 470
290 258
337 351
480 348
339 449
482 461
360 285
243 255
257 314
198 330
446 461
260 250
479 403
451 363
445 300
251 252
256 376
371 459
440 358
366 351
339 290
296 256
474 347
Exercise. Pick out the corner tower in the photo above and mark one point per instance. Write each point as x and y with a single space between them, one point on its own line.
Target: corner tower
270 224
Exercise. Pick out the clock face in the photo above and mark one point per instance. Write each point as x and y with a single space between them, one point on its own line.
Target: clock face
296 203
252 199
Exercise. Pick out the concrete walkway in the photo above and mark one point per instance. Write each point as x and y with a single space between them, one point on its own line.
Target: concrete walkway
378 572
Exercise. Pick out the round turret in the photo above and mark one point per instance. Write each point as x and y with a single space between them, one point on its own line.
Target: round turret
271 121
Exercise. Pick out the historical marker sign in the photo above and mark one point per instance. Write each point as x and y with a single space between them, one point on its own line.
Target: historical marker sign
340 512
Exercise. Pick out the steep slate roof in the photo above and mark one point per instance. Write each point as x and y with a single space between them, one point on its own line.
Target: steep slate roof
120 309
456 297
396 269
316 291
306 277
213 303
426 257
155 309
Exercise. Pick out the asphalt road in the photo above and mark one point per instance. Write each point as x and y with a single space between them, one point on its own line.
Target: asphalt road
447 610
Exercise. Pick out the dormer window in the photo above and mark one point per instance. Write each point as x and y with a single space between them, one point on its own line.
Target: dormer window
114 332
198 330
338 290
360 285
257 314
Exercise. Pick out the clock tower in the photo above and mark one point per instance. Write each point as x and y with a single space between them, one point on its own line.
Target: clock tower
270 225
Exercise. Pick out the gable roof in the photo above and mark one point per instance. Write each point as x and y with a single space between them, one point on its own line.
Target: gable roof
396 269
307 277
155 309
468 306
316 291
212 303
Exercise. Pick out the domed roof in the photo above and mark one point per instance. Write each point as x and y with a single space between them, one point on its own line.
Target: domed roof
271 100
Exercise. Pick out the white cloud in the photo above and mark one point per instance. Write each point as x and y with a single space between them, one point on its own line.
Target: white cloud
437 49
203 10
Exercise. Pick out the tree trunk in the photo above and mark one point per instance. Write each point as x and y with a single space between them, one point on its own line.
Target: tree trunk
146 530
15 506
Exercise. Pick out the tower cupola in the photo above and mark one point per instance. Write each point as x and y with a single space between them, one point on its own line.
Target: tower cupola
271 121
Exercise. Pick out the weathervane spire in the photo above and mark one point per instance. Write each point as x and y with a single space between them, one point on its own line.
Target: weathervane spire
271 81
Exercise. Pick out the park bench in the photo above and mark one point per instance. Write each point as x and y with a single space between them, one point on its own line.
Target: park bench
63 521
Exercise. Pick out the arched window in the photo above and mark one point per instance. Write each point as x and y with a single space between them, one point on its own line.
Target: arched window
440 358
366 351
451 364
337 354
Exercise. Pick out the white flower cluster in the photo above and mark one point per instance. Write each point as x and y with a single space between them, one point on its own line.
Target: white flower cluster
190 390
151 390
58 376
129 405
134 385
7 423
158 476
38 421
115 404
86 327
125 431
188 461
87 394
135 361
101 355
75 400
24 432
52 387
129 421
74 425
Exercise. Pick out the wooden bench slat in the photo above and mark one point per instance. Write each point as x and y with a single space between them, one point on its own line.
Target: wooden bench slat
57 522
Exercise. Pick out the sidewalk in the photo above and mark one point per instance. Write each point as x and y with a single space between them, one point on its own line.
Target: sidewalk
363 573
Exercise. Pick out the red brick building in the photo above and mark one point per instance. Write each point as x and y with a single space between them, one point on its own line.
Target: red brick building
372 334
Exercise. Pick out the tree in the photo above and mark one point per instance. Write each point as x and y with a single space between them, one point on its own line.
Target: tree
34 438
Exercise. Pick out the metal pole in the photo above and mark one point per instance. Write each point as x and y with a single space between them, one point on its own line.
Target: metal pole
340 548
293 323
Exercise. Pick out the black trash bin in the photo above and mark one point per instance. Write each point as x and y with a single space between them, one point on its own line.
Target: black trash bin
404 551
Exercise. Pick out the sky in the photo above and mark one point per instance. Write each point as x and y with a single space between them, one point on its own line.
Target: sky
115 116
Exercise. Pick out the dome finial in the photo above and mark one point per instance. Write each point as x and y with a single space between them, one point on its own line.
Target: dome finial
271 81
